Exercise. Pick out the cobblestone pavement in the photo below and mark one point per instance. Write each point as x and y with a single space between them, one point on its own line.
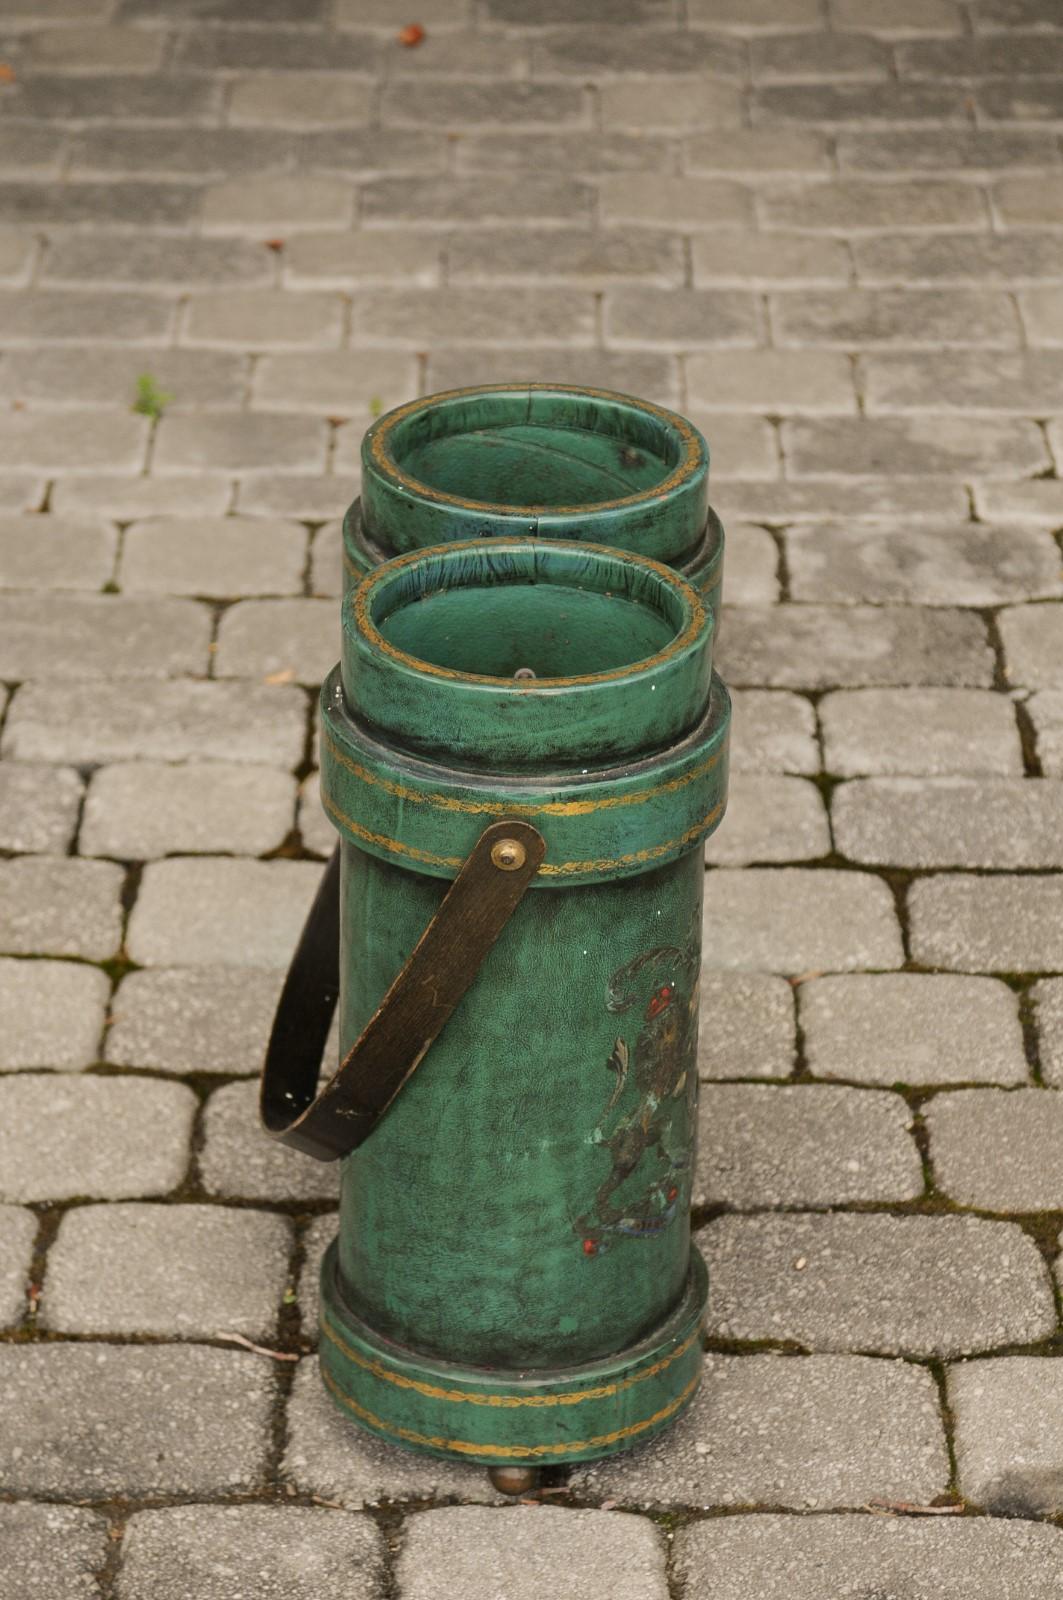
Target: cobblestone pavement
832 232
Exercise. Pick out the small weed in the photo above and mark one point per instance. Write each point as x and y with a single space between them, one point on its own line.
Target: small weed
376 405
151 401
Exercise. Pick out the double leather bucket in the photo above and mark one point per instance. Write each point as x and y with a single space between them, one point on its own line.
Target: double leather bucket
542 460
524 748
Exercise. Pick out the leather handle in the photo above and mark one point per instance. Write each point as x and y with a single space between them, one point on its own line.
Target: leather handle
480 901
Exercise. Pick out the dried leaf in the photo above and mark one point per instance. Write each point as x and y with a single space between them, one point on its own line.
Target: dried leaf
803 977
905 1508
256 1349
7 72
275 244
285 675
411 35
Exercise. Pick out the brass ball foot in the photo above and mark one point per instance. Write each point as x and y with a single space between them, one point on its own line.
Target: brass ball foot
514 1480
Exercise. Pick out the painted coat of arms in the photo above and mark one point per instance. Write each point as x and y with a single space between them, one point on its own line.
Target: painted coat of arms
647 1122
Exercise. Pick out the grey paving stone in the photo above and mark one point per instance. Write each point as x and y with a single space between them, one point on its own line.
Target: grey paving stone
151 261
770 818
350 260
936 732
269 638
918 1286
193 1019
946 149
25 491
51 1013
18 1234
328 1454
752 555
55 205
67 1136
107 1420
751 16
90 49
524 1552
1048 1014
175 151
239 1161
239 442
1026 382
582 152
803 1145
641 372
967 564
1037 500
137 97
1009 1441
982 447
1033 645
126 499
997 1149
319 1234
33 148
52 906
138 810
669 104
873 318
263 319
955 257
71 442
816 1558
768 258
340 383
747 1026
326 561
808 1432
435 103
958 821
440 317
299 100
312 498
53 316
809 57
222 557
315 829
183 1271
38 807
684 319
57 1547
745 447
855 205
816 499
183 720
826 647
451 202
981 924
277 203
106 378
265 48
55 553
276 1552
795 920
101 636
194 913
859 104
912 1028
603 52
772 731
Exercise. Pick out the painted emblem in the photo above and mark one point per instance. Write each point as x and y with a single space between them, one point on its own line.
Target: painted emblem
647 1122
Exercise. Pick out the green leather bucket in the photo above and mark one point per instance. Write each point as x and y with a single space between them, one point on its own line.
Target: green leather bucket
514 1282
541 460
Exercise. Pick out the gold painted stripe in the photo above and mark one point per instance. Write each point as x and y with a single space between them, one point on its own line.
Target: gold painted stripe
548 808
547 870
390 468
370 632
508 1451
572 1397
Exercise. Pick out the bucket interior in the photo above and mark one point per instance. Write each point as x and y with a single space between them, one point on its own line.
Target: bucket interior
530 448
531 617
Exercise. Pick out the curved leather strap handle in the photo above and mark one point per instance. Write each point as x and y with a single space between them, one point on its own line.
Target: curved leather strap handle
441 967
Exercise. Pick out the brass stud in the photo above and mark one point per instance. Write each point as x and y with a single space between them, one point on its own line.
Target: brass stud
508 855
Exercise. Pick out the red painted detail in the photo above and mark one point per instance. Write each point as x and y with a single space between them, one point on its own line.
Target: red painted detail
660 1001
590 1247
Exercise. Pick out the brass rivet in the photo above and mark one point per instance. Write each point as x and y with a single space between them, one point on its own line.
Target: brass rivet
508 855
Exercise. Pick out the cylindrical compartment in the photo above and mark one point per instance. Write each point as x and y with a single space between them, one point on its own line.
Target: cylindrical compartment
539 460
513 1280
